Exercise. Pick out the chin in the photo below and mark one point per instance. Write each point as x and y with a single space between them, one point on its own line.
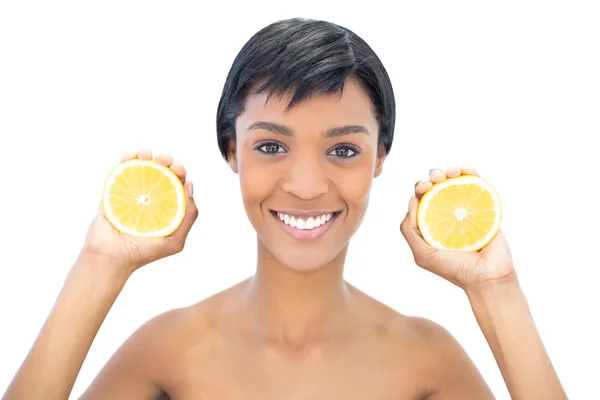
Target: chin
304 261
304 257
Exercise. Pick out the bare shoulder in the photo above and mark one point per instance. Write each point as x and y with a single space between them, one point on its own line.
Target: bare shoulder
176 334
402 329
187 327
429 355
153 356
450 372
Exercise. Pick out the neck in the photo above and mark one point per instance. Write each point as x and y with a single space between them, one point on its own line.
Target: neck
295 307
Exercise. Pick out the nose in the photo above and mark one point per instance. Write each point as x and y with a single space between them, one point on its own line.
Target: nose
306 179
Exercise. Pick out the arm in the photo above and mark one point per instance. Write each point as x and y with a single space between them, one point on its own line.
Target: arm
106 262
503 314
489 279
53 363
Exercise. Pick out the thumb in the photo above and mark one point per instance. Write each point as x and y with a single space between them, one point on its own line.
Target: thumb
422 252
191 213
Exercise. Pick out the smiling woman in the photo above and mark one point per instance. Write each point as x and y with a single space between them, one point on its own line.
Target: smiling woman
315 159
306 120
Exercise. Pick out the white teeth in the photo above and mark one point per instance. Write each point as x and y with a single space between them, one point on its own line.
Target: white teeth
302 223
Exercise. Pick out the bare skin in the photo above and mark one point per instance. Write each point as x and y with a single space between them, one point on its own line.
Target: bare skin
296 329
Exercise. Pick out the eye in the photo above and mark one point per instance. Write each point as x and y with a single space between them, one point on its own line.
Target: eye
271 148
344 151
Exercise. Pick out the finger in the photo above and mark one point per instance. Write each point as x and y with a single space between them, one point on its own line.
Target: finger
129 156
144 154
100 208
425 256
422 186
412 234
437 175
469 171
454 171
164 159
179 170
191 213
497 245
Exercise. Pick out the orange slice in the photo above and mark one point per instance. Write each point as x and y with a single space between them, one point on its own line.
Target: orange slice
143 198
462 213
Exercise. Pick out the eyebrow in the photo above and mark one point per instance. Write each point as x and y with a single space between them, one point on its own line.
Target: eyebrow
330 133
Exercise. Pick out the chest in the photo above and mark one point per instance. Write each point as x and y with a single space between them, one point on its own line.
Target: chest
354 374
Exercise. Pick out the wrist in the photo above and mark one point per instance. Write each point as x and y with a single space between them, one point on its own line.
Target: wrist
102 267
498 288
498 303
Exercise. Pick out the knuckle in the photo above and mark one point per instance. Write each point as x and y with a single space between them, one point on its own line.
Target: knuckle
424 259
177 246
420 260
404 226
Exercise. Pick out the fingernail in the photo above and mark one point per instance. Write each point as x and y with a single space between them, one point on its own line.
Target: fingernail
190 189
410 203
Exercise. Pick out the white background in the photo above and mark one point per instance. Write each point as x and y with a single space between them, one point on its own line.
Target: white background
511 88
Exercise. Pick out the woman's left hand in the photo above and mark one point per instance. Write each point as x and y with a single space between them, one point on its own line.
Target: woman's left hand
468 270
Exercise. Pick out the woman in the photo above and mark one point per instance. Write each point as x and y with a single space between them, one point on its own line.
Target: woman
306 119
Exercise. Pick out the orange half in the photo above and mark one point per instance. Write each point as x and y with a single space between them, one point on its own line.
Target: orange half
462 213
143 198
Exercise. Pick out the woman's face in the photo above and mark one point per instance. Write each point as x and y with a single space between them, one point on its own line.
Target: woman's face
306 173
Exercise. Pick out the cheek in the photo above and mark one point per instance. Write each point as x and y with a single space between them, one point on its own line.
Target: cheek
256 178
355 184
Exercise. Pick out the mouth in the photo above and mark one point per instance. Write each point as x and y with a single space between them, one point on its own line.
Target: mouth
306 226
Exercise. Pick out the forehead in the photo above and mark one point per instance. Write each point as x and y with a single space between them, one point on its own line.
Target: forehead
351 106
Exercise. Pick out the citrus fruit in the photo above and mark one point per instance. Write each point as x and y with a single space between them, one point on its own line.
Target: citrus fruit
143 198
462 213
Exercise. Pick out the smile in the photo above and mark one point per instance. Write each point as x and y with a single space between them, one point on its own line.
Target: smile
306 226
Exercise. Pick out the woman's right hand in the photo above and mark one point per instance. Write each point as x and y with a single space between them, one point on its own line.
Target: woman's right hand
127 252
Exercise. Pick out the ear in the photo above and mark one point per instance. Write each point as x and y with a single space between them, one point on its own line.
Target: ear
381 154
232 156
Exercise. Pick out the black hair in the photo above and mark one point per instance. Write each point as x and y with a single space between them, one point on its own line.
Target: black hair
305 56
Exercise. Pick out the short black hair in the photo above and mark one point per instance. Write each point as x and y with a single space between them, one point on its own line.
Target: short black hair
306 56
